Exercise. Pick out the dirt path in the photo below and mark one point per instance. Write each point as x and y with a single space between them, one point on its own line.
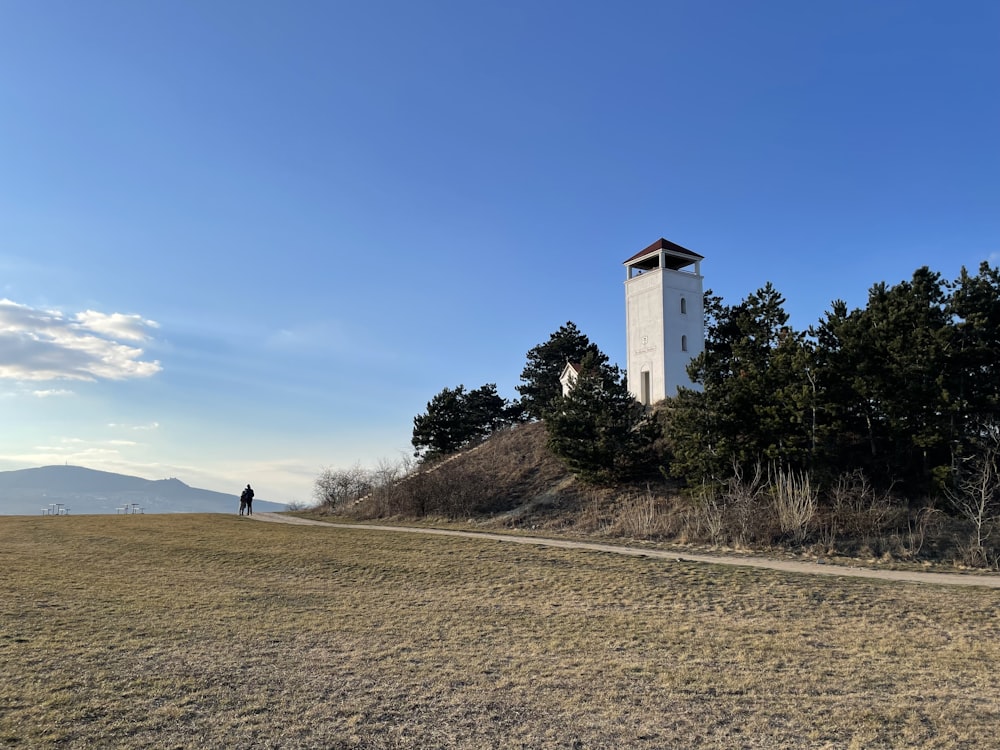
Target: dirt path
790 566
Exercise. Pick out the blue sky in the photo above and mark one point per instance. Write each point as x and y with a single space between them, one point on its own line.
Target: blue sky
245 241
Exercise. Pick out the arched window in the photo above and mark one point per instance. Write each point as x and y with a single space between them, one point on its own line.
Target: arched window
684 306
684 343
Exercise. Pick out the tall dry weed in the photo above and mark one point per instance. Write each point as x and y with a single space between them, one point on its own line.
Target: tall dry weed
594 515
794 500
706 517
643 516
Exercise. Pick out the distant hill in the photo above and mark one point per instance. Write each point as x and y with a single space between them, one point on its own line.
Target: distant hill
85 491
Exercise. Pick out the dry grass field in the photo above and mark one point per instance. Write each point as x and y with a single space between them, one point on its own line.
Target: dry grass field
198 631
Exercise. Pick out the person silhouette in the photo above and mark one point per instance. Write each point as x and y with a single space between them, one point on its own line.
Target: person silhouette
246 501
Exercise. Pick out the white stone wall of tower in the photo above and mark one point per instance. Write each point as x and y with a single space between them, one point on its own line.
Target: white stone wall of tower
657 330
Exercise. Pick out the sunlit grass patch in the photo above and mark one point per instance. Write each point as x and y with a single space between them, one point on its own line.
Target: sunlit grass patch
202 631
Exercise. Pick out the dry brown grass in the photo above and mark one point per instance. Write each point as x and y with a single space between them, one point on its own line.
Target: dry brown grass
214 631
512 475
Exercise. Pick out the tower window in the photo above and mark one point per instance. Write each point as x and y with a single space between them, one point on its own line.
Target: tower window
684 306
684 343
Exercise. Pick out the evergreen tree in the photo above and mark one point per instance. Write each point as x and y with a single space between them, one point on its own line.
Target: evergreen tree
598 429
886 369
456 419
758 397
974 385
874 388
848 415
545 363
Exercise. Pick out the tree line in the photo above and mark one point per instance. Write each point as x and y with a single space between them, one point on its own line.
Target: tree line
901 395
904 389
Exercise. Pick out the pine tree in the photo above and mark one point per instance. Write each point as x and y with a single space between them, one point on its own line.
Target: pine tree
598 429
886 369
974 382
545 363
757 402
456 418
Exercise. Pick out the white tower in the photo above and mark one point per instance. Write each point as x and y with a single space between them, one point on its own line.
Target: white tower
665 319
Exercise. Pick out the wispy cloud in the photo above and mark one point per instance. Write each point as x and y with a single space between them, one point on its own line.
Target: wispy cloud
135 427
311 335
106 456
322 339
48 345
49 393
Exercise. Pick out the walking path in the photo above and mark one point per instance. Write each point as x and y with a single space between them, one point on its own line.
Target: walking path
790 566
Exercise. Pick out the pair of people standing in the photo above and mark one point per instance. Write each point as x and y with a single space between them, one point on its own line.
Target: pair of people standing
246 501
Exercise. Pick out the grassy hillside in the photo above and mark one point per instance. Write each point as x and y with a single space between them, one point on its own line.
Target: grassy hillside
215 631
512 481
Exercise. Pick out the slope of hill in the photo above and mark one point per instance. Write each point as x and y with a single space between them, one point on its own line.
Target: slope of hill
518 474
83 491
510 479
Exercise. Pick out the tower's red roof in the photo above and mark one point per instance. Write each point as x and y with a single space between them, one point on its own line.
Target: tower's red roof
662 244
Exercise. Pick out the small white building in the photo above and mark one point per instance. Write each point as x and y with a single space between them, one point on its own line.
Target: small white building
568 378
665 319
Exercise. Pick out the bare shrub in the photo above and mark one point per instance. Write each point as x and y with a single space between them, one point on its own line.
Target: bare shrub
416 495
973 556
919 526
336 489
384 478
858 510
794 501
447 488
361 492
458 493
975 494
734 511
743 498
